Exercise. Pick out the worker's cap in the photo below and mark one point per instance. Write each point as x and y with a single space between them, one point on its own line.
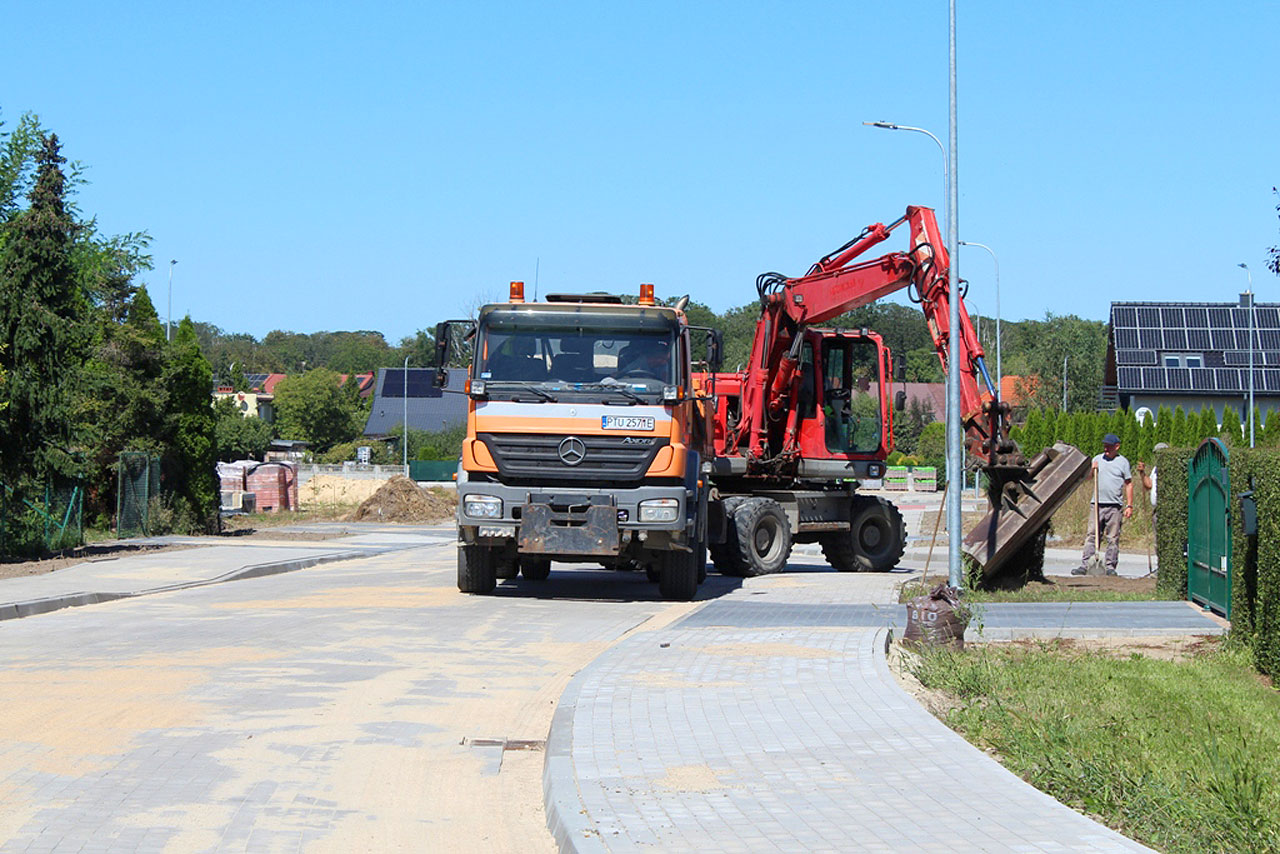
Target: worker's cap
1160 446
1111 439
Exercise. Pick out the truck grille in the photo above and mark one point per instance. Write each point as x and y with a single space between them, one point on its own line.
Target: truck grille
536 458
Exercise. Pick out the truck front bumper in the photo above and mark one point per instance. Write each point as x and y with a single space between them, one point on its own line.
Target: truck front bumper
574 521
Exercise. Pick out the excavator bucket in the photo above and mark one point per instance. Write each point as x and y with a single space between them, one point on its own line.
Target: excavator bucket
1024 507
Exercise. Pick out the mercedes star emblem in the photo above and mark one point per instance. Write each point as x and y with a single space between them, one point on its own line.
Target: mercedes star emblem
572 451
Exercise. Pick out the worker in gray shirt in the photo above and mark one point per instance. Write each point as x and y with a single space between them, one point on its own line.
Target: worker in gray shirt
1115 503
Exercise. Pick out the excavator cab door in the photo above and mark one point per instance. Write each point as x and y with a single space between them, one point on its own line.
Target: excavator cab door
851 394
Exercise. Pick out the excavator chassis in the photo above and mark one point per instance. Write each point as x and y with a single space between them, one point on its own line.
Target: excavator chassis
1024 506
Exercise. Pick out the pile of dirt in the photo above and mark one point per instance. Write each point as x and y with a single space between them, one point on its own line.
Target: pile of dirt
402 500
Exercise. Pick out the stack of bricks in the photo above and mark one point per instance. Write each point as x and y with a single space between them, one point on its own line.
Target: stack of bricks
275 485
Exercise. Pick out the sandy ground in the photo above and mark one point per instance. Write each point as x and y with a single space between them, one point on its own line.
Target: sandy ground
334 489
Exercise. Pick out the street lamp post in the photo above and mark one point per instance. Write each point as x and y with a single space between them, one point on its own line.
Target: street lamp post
404 450
1249 296
999 375
168 318
946 172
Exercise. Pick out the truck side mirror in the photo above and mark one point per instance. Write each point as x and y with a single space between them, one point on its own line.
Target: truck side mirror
442 343
715 350
900 367
900 400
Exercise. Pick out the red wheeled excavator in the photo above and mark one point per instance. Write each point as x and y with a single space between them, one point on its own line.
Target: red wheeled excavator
809 416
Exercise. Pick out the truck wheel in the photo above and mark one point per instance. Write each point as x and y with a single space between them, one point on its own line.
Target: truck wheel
725 555
700 557
875 542
763 537
477 569
505 566
678 575
535 568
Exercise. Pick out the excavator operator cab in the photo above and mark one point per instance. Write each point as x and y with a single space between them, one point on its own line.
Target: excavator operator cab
851 400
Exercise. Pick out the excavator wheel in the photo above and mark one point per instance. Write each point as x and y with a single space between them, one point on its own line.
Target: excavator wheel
725 555
762 538
678 573
874 542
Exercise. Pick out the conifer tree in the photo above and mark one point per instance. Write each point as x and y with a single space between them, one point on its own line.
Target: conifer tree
1032 434
1164 425
1178 428
1230 432
43 333
1208 425
190 462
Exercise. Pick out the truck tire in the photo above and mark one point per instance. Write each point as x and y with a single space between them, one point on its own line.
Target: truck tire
725 555
874 542
505 567
535 568
762 538
678 574
477 569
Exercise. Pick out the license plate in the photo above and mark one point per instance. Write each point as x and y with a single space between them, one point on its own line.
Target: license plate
626 422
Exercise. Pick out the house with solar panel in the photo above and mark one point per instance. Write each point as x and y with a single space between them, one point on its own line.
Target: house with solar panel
398 393
1193 355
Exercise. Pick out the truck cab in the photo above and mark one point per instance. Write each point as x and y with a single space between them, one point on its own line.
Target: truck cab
585 442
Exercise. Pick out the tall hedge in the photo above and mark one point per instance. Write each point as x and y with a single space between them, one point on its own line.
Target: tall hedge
1255 565
1171 527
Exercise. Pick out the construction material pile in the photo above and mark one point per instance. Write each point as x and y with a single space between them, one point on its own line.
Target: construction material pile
402 500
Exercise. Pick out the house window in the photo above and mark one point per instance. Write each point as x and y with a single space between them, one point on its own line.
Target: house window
1182 360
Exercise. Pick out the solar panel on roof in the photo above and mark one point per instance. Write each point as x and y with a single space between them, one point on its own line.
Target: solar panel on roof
1266 318
1202 379
1271 379
1271 358
1171 316
1223 339
1268 339
1198 339
1219 318
1135 357
1175 339
1129 378
1148 317
1179 378
1153 379
1126 339
1197 318
1228 379
420 383
1149 339
1126 316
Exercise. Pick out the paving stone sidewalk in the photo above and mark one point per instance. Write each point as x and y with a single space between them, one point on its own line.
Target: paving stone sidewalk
768 720
215 559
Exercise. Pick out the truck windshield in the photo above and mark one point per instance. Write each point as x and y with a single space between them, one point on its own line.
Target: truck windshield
573 359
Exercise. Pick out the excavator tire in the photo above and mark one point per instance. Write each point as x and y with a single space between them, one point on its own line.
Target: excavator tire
763 538
535 568
725 555
874 542
477 569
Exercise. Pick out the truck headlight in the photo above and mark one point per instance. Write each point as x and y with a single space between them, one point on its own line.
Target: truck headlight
482 506
659 510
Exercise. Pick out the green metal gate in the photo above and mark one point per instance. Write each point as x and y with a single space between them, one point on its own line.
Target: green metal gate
1209 528
137 483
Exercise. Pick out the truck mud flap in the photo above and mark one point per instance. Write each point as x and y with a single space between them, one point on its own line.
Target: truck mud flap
1025 505
543 531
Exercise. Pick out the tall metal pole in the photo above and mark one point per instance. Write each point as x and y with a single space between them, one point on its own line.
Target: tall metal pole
168 317
404 451
999 374
946 169
955 436
1249 293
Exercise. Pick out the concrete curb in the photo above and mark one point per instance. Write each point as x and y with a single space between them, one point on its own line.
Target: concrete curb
33 607
567 817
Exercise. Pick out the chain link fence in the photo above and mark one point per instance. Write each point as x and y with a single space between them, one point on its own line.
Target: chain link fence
138 481
28 527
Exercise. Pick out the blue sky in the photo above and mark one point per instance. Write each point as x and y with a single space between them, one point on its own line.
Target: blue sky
318 166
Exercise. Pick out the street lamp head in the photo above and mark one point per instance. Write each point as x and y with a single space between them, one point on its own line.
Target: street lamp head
885 125
1243 265
173 261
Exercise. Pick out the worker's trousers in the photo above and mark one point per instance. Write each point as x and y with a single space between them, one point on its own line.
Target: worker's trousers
1112 518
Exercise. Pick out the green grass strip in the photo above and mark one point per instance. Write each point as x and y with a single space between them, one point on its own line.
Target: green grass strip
1182 756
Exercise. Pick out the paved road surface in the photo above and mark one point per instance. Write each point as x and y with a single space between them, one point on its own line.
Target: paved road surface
328 709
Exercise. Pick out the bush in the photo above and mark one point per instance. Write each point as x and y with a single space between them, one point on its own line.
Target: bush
1171 530
1255 561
